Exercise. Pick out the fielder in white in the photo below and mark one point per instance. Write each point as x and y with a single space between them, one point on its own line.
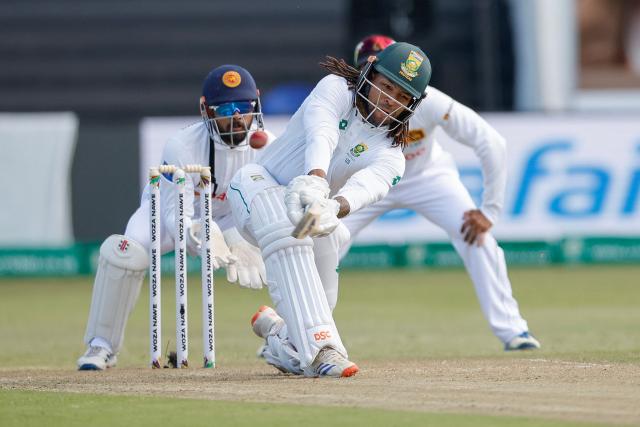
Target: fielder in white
431 187
341 151
230 108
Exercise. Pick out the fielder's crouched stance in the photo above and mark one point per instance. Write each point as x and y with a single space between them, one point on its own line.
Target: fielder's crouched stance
431 187
341 151
231 114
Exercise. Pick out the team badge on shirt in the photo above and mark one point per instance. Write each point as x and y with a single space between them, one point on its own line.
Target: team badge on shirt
355 152
231 79
359 149
409 68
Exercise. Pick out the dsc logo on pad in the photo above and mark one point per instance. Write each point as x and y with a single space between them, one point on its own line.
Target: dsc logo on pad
322 335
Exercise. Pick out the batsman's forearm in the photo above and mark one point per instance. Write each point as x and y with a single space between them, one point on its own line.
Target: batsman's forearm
344 206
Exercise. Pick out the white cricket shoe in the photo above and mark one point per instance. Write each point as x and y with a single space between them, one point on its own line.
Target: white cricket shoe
97 359
330 363
524 341
266 322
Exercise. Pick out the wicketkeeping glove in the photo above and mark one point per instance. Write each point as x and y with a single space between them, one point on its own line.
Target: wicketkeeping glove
222 256
248 270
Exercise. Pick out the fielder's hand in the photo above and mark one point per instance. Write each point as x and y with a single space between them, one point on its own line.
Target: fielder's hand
248 270
474 226
194 227
222 256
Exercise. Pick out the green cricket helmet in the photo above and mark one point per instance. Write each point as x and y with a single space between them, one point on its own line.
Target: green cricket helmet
405 65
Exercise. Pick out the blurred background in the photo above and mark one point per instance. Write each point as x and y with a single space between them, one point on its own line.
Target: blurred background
91 90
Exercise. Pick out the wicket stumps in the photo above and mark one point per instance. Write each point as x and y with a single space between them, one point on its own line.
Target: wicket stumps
155 253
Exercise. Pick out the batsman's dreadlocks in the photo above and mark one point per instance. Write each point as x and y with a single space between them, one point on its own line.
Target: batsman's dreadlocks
340 68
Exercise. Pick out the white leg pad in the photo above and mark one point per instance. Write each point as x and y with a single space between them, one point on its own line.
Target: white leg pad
294 283
326 251
121 268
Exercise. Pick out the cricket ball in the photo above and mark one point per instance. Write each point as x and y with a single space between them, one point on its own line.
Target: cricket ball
258 139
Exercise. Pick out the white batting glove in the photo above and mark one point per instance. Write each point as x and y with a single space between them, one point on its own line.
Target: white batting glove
222 256
302 192
248 270
328 218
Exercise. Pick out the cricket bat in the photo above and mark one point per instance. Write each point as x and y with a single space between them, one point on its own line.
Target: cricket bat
308 223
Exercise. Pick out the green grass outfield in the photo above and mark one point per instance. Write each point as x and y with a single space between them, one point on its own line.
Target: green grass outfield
586 314
25 409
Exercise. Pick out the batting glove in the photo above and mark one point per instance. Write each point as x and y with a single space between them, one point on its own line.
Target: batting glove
302 192
328 219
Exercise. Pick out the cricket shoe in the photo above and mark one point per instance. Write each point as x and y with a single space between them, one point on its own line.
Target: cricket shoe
266 322
97 359
330 363
524 341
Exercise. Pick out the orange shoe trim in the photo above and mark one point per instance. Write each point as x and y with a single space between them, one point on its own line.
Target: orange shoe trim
350 371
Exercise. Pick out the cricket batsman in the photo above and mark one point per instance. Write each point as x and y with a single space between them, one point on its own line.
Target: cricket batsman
431 186
341 151
232 116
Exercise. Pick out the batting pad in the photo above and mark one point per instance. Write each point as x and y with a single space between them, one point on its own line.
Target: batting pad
294 282
121 269
326 251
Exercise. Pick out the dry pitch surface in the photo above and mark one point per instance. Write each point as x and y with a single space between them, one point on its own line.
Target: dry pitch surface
418 337
560 390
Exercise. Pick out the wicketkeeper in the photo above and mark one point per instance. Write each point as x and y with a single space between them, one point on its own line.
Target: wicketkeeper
231 113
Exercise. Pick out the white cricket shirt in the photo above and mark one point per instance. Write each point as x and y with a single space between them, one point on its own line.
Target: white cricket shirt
465 126
328 133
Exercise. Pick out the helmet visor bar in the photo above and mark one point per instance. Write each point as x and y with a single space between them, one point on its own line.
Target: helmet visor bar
233 121
390 121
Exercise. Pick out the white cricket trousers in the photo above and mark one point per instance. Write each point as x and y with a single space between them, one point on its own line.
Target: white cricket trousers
439 196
